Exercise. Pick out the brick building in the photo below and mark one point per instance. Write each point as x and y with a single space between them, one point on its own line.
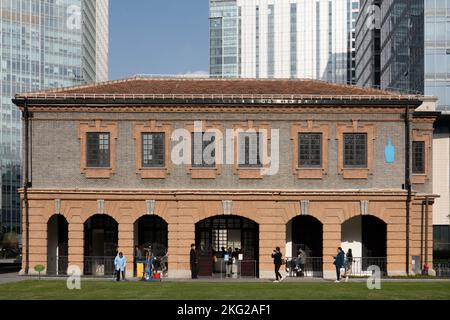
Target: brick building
312 165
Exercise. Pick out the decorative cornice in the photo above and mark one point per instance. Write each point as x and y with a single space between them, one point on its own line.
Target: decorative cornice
209 108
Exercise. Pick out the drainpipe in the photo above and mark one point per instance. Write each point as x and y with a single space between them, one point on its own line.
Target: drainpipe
426 230
26 117
407 180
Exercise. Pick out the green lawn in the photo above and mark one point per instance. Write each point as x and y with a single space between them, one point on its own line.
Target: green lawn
91 290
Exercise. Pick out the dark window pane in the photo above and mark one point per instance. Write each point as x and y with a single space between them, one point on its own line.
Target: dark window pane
250 149
418 157
153 149
203 150
97 153
310 149
355 150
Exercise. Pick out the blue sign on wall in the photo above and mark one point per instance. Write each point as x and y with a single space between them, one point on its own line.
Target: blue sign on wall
389 152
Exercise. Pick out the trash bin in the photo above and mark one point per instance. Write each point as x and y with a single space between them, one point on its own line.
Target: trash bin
139 270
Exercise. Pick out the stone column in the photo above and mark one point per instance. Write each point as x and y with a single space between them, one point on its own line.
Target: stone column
181 236
396 247
76 243
331 242
38 241
271 235
126 243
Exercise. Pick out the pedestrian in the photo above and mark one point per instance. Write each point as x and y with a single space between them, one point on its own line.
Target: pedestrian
301 261
194 262
120 262
339 263
348 264
137 253
228 258
277 261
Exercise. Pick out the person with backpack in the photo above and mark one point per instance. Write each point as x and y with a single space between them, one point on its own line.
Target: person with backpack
339 262
301 261
277 261
228 259
348 264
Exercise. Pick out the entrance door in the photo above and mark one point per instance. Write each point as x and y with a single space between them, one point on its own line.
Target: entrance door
216 235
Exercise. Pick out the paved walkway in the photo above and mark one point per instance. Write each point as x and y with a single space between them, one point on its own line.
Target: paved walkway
11 277
14 277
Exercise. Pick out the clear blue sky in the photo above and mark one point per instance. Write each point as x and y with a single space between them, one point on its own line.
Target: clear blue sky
157 37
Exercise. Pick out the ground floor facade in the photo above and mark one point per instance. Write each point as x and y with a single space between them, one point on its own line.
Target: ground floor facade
86 228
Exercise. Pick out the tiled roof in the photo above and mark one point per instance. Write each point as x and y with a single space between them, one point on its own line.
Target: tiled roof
214 87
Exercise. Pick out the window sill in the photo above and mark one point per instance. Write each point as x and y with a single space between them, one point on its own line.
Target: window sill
98 173
153 173
419 178
203 173
357 173
250 173
310 173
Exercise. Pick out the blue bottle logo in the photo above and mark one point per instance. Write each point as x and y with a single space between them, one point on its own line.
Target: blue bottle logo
390 152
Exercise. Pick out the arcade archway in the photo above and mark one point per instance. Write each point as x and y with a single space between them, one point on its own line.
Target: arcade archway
57 245
366 236
306 233
100 245
215 235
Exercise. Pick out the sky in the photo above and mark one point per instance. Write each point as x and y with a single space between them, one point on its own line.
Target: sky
164 37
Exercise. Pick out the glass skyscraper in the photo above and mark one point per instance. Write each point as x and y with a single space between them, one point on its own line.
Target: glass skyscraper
44 43
437 51
311 39
390 45
402 45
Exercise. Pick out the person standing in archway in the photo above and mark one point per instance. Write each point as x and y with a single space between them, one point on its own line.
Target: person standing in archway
277 261
348 264
120 263
194 262
339 262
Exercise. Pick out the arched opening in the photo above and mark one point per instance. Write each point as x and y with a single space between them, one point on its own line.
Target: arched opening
151 236
305 233
57 245
100 245
366 237
216 235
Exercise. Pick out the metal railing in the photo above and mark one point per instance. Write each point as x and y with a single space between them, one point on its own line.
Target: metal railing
238 269
259 97
360 266
62 265
313 267
99 266
442 269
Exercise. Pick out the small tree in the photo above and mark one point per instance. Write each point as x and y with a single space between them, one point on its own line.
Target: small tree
39 268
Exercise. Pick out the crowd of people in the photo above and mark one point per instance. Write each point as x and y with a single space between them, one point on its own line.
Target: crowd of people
342 261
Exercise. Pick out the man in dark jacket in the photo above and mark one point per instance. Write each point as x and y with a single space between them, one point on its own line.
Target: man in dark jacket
339 263
194 262
277 258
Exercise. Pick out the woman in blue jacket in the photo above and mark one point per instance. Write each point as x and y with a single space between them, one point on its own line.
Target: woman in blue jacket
339 263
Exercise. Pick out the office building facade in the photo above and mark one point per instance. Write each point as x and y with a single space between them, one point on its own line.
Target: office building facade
437 83
368 32
44 44
390 45
311 39
437 52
